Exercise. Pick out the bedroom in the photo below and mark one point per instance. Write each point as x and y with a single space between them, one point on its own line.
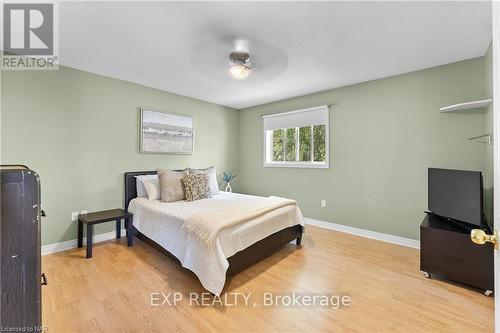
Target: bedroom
329 116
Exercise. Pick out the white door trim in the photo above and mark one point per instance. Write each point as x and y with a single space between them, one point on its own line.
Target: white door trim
496 147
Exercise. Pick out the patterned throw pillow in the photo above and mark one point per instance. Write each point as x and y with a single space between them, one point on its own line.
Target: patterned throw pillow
212 178
196 186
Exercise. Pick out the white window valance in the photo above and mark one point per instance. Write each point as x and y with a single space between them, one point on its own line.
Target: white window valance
299 118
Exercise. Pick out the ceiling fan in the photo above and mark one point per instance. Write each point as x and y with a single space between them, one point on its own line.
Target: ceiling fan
240 65
229 59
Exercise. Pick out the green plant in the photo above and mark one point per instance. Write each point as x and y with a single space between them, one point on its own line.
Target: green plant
228 177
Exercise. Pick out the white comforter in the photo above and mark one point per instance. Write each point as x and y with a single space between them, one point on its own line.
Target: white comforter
162 222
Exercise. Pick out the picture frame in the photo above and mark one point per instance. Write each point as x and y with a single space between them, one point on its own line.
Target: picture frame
163 132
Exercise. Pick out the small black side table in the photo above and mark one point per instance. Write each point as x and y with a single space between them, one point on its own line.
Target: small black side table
91 219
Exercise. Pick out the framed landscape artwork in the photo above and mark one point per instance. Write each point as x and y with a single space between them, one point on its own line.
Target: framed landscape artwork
166 133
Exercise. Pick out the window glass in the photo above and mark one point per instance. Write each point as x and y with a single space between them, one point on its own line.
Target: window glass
305 144
319 135
290 144
278 145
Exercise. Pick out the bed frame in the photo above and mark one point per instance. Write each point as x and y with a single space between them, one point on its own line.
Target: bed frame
237 262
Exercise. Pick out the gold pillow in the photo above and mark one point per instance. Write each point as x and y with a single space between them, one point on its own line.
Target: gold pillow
196 186
171 187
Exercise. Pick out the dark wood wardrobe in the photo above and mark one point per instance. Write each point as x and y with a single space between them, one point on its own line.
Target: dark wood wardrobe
20 250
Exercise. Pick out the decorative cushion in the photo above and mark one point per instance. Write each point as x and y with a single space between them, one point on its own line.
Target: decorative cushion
196 186
152 186
212 178
139 185
171 187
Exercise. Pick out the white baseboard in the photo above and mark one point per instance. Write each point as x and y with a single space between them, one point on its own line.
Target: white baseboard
72 243
364 233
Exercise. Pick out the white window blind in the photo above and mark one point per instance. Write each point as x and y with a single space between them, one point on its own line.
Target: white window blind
300 118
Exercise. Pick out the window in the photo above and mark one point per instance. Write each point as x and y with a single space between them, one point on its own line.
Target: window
297 138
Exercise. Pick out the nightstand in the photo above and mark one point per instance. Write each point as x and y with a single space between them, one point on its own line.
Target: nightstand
92 219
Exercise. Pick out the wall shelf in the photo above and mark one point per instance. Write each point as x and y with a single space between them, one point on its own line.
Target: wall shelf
486 138
467 105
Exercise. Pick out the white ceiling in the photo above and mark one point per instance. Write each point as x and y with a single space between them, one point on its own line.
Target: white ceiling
299 47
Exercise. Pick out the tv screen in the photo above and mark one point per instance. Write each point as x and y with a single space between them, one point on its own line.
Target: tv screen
456 194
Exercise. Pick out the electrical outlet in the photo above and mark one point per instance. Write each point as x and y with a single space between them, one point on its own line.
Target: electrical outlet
323 203
74 216
83 212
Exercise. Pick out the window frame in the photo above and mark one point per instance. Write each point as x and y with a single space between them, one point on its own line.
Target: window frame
298 164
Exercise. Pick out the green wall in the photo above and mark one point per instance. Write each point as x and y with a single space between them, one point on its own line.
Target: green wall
384 134
79 132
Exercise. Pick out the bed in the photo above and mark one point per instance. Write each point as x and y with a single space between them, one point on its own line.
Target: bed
160 225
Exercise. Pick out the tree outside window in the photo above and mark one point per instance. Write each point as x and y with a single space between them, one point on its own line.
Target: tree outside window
299 144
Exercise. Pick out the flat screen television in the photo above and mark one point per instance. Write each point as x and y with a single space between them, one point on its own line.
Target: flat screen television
456 195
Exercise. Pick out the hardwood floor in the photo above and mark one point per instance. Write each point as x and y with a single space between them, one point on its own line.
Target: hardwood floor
112 291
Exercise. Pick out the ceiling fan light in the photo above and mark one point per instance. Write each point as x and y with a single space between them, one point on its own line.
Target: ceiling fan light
239 72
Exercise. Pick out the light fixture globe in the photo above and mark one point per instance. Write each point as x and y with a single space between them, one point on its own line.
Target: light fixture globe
239 67
239 72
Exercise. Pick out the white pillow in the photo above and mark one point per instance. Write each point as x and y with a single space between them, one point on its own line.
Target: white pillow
212 178
141 190
152 186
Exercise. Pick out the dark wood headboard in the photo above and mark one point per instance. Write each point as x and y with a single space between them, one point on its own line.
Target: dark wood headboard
130 184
